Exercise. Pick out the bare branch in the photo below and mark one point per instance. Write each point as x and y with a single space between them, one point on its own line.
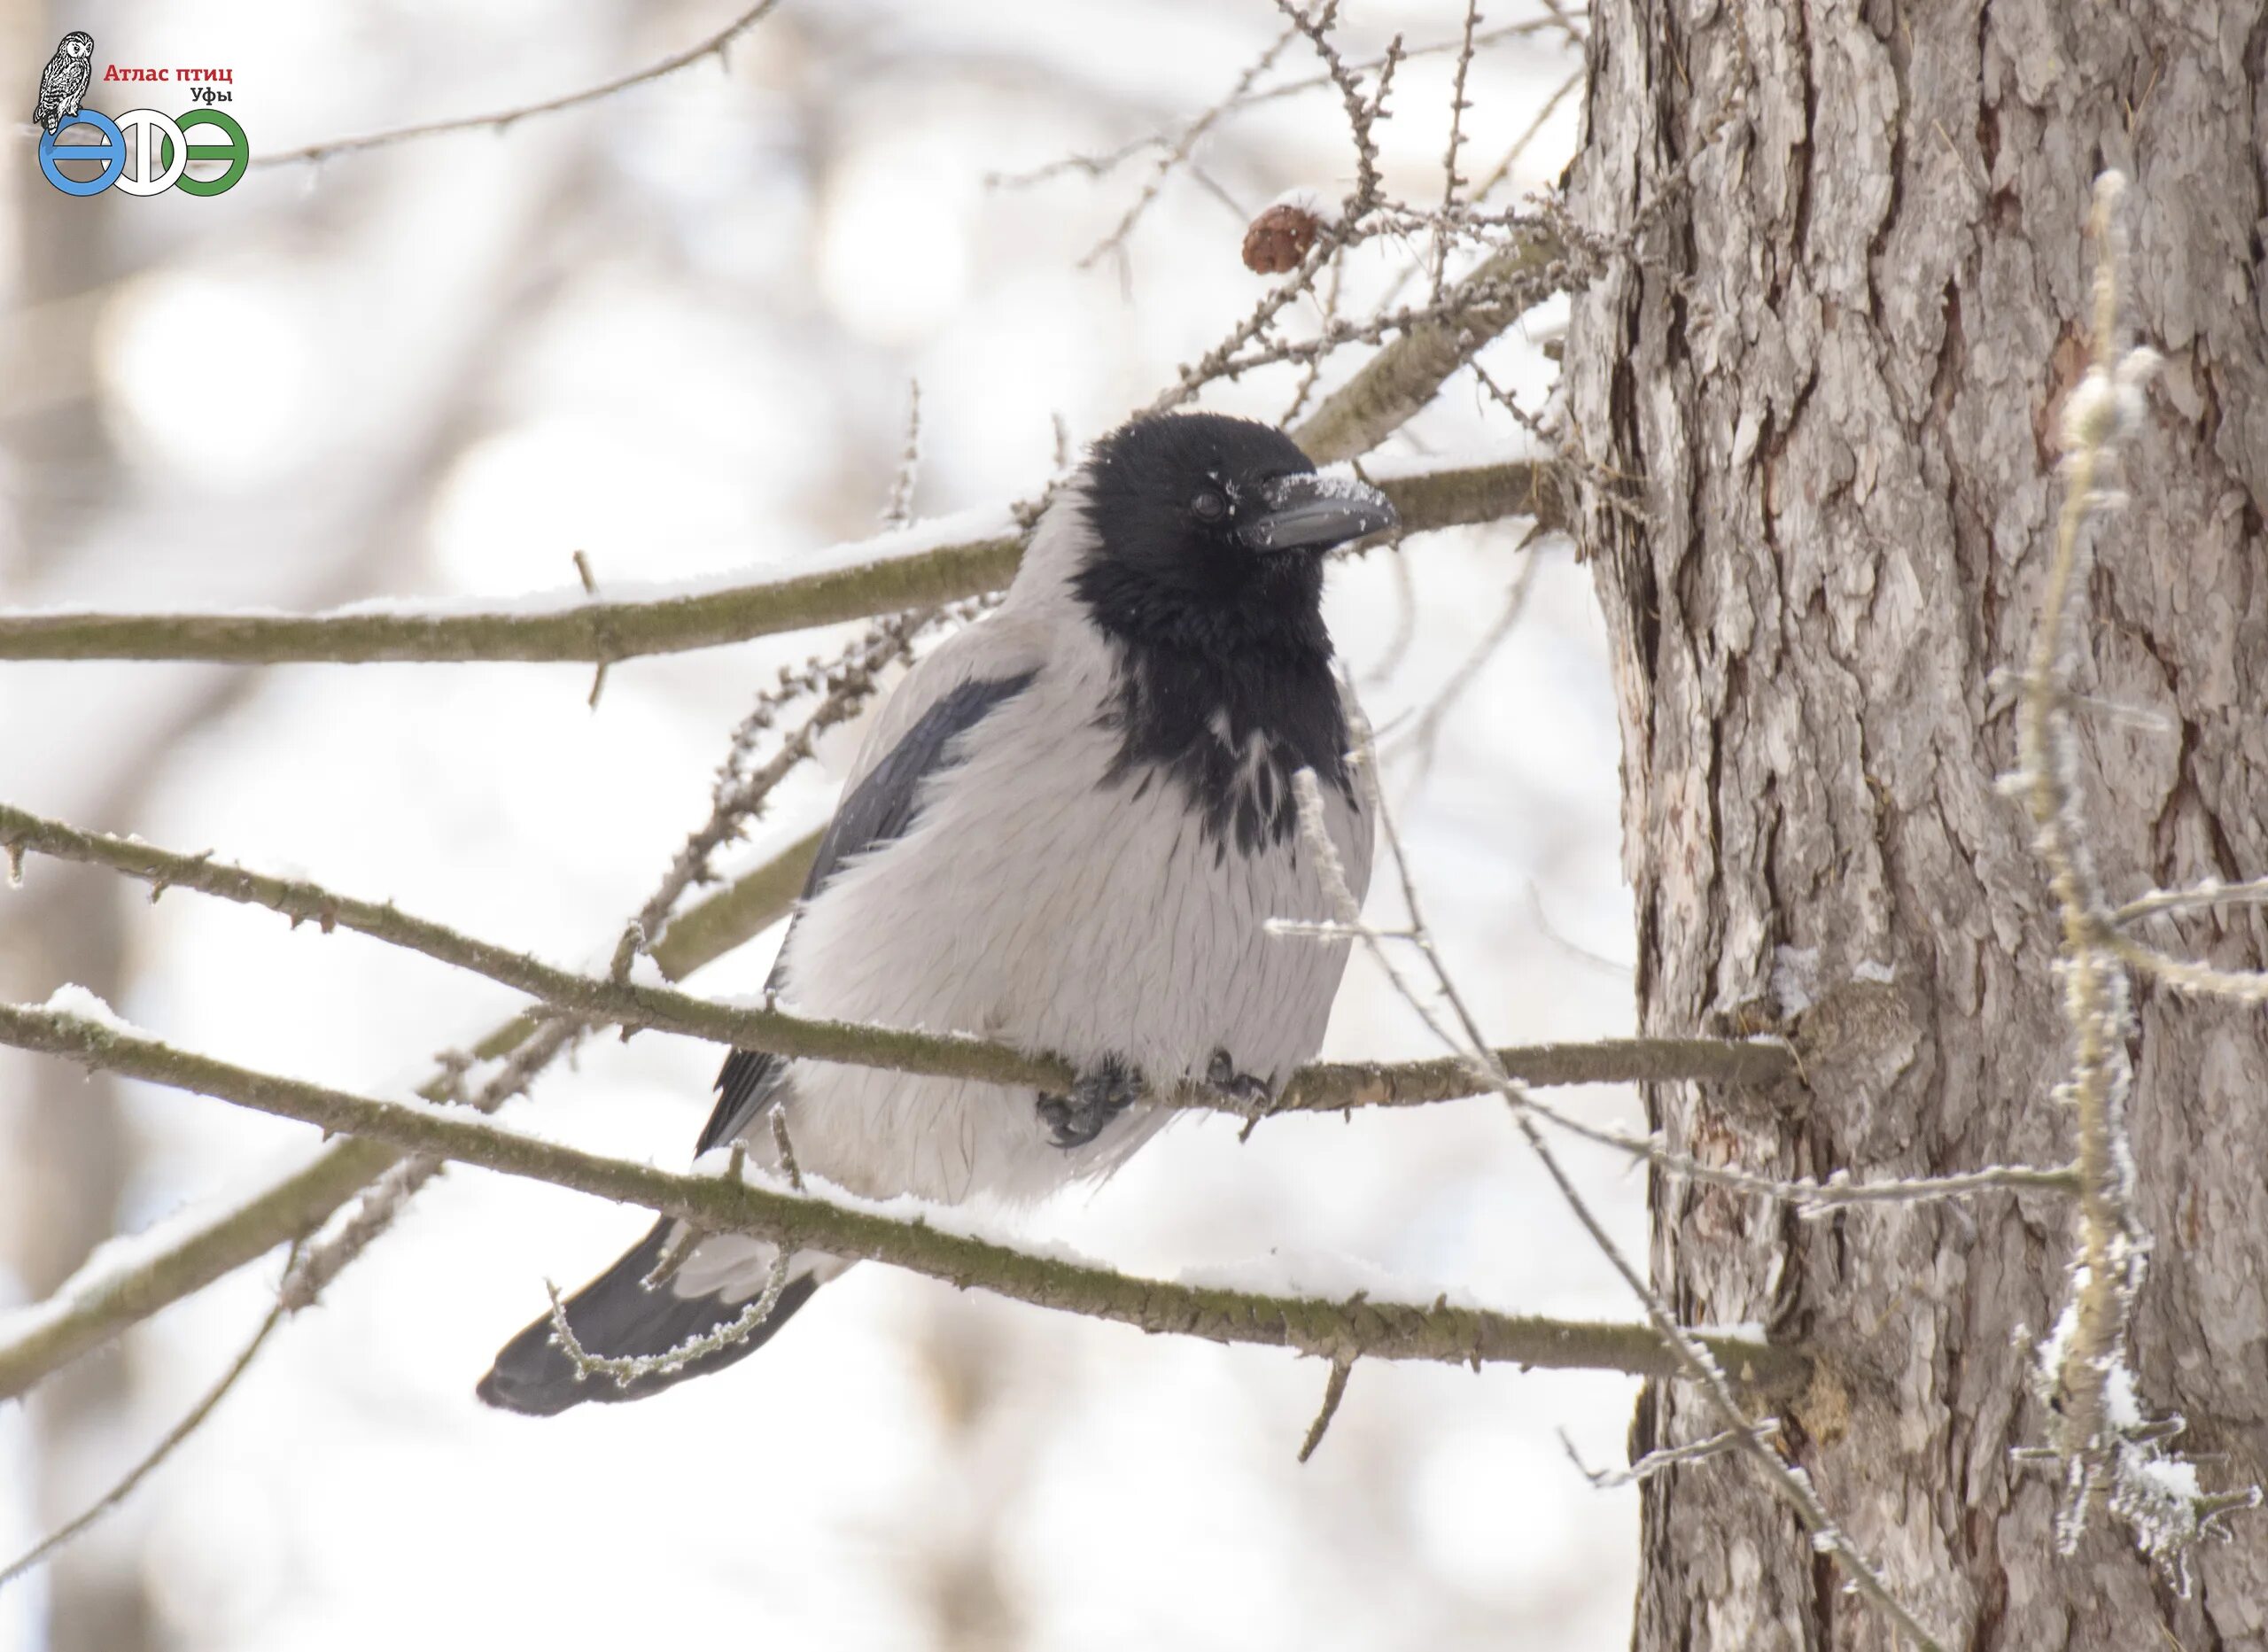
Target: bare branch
716 45
1449 179
1363 112
1356 1328
90 1311
1103 164
1405 375
844 684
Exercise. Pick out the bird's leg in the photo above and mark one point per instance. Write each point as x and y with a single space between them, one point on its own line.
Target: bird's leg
1099 1095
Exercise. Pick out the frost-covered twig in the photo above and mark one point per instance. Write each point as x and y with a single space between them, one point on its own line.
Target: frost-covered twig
900 510
2198 897
1666 1456
1359 1327
2184 974
626 1370
2102 1440
714 45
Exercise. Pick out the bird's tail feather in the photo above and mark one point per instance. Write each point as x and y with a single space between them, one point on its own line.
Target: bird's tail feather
619 1315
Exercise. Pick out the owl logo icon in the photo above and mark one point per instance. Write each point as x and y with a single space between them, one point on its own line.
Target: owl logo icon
64 81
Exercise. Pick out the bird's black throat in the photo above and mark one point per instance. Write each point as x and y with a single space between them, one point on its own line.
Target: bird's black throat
1229 714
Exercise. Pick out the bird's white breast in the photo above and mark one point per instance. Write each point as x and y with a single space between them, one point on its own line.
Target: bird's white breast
1038 902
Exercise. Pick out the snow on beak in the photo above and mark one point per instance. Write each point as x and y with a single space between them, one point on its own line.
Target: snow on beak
1306 512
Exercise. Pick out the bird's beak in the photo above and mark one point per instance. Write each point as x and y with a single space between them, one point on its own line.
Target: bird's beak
1306 512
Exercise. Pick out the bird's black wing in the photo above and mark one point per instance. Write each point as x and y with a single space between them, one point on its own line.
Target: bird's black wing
879 809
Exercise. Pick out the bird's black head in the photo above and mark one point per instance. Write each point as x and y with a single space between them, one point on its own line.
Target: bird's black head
1209 533
77 43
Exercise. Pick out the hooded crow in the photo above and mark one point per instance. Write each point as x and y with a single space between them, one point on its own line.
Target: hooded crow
1067 830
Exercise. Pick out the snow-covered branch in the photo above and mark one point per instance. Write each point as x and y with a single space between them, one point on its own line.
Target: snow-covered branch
1325 1087
1338 1329
941 562
207 1244
120 1287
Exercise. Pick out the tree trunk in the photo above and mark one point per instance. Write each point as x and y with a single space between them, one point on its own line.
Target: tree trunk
1830 390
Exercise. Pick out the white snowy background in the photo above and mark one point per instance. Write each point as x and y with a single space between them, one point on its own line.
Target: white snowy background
675 331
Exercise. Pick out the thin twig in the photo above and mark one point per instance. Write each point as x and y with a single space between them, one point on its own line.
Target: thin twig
1662 1457
2197 897
1180 149
716 45
2101 1438
900 510
1334 1390
1099 166
153 1458
1449 179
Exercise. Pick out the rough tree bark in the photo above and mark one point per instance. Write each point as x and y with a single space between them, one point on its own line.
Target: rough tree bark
1831 390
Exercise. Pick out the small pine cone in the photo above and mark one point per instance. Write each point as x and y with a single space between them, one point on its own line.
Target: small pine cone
1279 238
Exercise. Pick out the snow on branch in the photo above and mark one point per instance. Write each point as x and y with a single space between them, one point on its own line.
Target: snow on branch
127 1281
210 1243
1340 1330
941 561
1325 1087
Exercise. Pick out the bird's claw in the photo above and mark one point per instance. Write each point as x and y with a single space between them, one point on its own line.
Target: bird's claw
1098 1096
1251 1094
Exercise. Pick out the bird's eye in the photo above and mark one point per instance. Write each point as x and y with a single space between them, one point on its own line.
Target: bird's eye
1209 506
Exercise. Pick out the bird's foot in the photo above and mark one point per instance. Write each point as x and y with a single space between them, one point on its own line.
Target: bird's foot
1252 1095
1098 1096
